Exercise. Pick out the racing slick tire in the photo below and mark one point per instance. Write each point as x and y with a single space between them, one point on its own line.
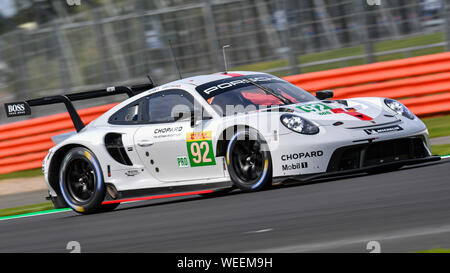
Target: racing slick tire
248 161
58 202
81 182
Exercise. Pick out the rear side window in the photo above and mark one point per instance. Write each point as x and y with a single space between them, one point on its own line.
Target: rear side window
130 114
162 106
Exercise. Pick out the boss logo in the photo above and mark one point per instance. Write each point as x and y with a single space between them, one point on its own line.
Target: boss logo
17 109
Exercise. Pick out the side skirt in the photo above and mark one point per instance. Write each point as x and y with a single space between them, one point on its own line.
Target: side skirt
166 192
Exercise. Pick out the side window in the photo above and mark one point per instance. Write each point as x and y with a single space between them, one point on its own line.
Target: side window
130 114
163 106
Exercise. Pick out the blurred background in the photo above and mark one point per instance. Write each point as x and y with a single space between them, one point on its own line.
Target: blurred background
58 46
50 47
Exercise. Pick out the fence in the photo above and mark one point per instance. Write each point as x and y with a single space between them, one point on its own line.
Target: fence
422 83
122 43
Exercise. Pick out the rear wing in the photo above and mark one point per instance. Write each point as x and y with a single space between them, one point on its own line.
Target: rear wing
23 108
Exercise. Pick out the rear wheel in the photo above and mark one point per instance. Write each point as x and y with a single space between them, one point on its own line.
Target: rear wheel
248 161
81 182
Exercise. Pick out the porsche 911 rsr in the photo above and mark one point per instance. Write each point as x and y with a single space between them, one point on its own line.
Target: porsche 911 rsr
213 133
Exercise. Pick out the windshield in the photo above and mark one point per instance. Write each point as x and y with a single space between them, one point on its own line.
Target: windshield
240 95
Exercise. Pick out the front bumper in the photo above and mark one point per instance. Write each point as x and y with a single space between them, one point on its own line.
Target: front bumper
371 156
374 154
310 177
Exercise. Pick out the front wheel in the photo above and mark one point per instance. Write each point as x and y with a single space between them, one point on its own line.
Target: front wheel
81 181
248 161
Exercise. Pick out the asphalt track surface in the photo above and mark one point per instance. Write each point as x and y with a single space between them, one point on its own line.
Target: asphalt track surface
405 211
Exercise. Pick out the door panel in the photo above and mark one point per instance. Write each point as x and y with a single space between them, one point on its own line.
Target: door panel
176 152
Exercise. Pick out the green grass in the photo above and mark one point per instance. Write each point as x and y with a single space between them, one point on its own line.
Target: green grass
410 42
435 250
22 174
26 209
438 126
441 149
355 51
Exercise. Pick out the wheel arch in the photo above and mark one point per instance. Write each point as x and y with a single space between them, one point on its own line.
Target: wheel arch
226 135
55 165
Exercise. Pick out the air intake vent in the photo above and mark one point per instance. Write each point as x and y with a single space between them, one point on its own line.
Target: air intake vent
114 145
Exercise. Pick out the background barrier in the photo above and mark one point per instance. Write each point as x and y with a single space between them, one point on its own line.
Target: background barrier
421 83
24 144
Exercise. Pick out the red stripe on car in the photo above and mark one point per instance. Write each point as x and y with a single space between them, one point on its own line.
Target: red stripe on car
156 197
234 75
352 113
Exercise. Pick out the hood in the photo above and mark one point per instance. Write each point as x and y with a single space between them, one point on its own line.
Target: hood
352 112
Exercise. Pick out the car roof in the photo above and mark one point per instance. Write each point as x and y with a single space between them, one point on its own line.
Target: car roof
202 79
195 80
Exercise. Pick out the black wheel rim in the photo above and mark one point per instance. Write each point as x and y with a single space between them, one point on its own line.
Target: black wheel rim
248 160
80 180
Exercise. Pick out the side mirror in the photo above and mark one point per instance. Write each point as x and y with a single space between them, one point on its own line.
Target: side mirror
323 95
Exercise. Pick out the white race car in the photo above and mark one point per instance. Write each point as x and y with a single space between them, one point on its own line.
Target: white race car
213 133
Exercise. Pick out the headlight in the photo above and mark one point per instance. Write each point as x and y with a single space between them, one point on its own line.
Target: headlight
399 108
299 124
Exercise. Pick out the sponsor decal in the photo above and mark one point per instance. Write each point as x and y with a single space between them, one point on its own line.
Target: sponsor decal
383 130
352 112
211 89
301 155
318 108
182 162
200 149
294 166
17 109
227 85
322 109
168 132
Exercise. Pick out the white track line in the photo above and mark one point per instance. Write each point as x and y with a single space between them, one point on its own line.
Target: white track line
363 240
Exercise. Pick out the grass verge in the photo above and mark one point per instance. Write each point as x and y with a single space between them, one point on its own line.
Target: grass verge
441 149
435 250
26 209
421 40
22 174
438 126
